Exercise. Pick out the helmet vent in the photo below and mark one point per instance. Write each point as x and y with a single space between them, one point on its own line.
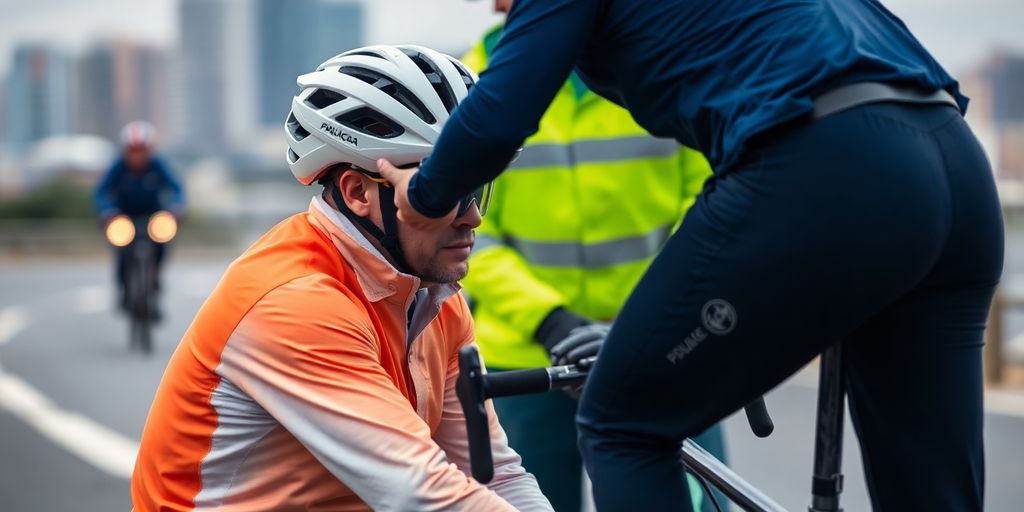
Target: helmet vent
296 129
292 156
396 90
366 54
435 77
371 122
323 98
466 78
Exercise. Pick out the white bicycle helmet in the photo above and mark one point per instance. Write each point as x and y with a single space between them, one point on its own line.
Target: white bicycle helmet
138 134
372 102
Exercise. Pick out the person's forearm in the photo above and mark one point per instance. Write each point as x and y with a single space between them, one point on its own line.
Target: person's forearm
529 65
453 170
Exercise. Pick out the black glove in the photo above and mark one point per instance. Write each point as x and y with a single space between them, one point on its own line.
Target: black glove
569 337
556 327
582 343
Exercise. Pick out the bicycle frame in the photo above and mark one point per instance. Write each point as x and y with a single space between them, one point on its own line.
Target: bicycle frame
827 482
140 279
474 388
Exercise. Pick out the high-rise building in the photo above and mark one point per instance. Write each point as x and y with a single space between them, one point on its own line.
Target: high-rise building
294 37
118 82
93 92
217 72
3 115
996 111
37 95
340 27
1006 76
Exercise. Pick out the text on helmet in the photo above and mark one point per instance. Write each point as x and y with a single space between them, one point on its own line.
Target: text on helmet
324 127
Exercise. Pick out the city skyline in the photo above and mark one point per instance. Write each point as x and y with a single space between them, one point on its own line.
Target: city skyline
958 33
74 24
234 60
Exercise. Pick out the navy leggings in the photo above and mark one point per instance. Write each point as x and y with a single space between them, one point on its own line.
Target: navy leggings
879 228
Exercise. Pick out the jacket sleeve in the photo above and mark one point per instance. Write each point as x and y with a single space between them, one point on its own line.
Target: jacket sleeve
500 280
103 196
511 481
172 184
316 369
529 65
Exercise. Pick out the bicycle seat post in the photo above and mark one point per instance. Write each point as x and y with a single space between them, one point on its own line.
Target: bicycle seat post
827 483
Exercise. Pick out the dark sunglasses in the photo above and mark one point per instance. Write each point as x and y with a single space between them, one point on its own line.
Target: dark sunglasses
480 196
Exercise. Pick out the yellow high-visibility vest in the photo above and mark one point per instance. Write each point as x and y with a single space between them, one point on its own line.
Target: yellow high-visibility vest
574 221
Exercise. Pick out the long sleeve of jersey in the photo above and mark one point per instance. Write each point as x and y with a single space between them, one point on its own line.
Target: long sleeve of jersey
103 196
177 192
538 49
323 381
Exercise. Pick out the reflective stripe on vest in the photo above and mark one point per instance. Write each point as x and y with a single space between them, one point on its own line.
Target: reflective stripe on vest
547 154
581 255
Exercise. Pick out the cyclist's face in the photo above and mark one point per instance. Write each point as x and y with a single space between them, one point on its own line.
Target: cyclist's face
136 157
441 254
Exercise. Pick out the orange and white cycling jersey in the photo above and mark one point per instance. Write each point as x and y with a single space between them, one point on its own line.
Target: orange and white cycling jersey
305 383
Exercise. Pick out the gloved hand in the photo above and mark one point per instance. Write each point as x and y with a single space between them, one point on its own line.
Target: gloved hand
569 338
108 215
559 329
582 342
556 327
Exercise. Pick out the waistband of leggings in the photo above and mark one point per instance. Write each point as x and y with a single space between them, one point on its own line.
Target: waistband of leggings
849 96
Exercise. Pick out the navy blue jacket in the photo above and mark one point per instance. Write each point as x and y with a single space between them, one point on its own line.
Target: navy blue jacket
152 190
710 73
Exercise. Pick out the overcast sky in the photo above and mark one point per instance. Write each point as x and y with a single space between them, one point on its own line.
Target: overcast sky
957 32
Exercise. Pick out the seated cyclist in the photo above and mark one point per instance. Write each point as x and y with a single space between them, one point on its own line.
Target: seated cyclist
138 184
320 374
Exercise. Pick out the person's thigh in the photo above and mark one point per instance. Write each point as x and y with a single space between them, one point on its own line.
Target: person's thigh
774 262
915 370
915 394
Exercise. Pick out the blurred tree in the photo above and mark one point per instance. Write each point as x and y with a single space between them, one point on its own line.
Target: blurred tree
59 199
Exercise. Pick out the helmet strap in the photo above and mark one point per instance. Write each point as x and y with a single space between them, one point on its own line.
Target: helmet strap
388 237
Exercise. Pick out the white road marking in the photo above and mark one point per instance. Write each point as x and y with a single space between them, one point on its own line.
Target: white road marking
97 445
91 299
13 320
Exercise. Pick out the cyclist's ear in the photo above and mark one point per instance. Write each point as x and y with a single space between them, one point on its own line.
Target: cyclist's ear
358 192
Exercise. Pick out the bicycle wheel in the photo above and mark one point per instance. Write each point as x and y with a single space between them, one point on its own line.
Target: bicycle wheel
140 310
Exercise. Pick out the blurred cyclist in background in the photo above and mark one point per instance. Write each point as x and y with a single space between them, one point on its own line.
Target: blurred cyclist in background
560 250
137 184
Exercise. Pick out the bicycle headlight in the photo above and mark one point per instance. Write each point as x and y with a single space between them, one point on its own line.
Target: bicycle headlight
120 231
162 227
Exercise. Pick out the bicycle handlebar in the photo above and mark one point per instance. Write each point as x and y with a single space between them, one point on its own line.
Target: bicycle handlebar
473 387
757 416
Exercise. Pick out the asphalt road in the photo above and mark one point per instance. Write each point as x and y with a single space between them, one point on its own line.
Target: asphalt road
73 399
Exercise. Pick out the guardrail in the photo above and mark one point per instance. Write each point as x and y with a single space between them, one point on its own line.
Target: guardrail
24 238
996 360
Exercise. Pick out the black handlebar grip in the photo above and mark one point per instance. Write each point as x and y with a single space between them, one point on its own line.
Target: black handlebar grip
470 389
757 416
517 382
